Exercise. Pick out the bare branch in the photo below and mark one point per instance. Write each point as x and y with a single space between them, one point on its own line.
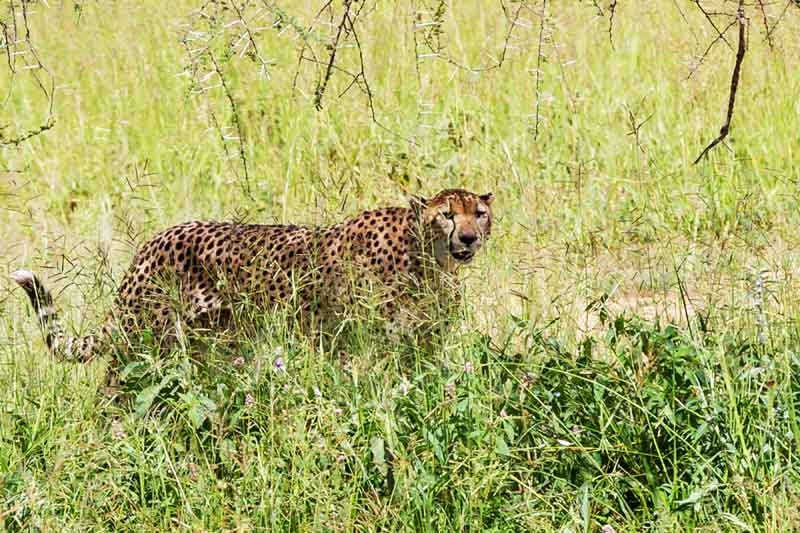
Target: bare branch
612 9
785 8
433 38
710 20
346 28
723 132
27 135
236 122
319 92
766 23
251 49
16 40
708 49
539 70
363 77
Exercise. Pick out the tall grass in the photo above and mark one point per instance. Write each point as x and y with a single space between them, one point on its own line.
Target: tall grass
627 353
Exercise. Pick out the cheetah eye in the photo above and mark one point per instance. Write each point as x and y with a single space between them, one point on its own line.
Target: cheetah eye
449 215
481 213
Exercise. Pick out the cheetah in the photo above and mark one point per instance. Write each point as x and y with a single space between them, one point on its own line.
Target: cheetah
213 266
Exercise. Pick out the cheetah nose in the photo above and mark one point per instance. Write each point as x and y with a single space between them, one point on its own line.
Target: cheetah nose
468 238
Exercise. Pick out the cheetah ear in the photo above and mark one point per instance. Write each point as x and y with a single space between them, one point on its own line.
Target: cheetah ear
418 205
487 198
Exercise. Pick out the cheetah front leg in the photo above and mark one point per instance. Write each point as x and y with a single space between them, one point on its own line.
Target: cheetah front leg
423 317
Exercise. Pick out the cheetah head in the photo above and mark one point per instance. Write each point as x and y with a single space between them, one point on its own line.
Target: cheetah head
457 222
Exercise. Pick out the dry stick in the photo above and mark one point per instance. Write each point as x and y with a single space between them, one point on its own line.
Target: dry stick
10 39
416 18
785 8
236 122
28 134
256 53
7 39
685 20
304 37
39 64
512 23
766 23
711 21
612 8
348 27
438 50
321 86
363 75
703 57
539 69
737 67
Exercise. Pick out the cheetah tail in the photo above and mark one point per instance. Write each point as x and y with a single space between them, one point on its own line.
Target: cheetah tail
42 302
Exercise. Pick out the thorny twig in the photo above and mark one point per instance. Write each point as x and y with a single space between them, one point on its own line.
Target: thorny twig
255 53
536 118
10 42
236 122
319 92
432 38
304 34
723 132
768 36
636 125
345 29
612 9
785 8
707 51
685 20
204 65
15 141
710 20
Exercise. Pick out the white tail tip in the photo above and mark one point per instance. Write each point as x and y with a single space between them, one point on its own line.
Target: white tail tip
22 276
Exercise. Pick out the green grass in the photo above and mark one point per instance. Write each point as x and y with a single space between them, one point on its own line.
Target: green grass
617 362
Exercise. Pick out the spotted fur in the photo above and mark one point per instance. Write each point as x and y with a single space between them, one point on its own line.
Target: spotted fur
199 271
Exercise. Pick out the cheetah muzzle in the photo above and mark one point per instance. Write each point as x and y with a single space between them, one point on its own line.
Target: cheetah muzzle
217 265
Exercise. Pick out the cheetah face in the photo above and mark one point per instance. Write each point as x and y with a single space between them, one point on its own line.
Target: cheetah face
460 222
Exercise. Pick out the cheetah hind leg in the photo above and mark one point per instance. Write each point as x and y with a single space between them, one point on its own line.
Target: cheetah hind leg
133 333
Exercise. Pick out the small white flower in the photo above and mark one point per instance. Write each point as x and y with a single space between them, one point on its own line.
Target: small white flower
608 528
116 430
249 400
239 361
503 413
403 387
279 365
467 367
450 389
317 392
527 381
337 412
563 442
